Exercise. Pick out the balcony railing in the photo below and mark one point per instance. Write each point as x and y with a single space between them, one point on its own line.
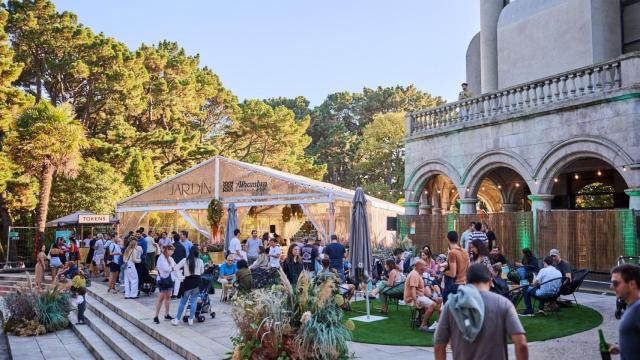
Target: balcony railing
555 89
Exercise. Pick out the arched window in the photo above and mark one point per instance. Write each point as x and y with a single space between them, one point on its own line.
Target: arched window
595 196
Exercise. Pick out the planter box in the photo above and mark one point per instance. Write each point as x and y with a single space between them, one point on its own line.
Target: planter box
216 257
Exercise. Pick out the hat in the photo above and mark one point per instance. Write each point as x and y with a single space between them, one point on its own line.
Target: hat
478 273
554 252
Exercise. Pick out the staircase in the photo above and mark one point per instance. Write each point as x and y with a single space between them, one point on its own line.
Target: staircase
10 282
123 329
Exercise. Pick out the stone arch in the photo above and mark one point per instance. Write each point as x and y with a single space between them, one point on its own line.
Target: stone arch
573 149
484 163
423 172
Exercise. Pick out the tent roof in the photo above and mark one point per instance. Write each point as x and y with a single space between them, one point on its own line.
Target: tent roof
313 187
71 219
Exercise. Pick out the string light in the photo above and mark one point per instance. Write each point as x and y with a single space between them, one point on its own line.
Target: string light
624 168
517 184
599 173
575 176
555 179
499 186
483 188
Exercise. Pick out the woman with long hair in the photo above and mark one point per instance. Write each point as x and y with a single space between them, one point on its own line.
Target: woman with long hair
292 265
262 262
427 256
55 262
265 240
131 257
528 265
41 264
165 267
480 254
193 268
383 287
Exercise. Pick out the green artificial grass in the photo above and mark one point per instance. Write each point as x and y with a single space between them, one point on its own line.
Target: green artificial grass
396 329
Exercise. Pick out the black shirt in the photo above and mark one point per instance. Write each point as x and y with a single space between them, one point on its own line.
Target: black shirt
309 253
179 253
564 268
335 251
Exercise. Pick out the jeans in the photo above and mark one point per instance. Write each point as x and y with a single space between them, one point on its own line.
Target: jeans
531 292
450 287
189 294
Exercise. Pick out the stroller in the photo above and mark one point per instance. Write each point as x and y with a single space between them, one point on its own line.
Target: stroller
621 306
203 303
146 279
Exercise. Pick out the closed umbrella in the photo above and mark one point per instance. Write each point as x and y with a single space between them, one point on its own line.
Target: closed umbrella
232 224
360 254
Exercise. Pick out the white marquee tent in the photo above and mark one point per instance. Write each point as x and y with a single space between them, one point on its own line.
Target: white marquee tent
259 193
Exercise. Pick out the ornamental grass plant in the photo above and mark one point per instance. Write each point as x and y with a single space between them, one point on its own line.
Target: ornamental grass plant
301 321
31 313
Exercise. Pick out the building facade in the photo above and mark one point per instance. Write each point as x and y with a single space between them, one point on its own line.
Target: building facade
555 123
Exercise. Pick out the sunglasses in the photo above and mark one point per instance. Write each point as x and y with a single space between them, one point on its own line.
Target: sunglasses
615 283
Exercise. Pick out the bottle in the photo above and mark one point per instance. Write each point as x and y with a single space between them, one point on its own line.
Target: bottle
604 347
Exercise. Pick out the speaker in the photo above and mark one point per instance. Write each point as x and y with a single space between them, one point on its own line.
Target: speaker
392 223
272 229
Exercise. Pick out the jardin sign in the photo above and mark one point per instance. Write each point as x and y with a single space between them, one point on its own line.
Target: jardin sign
93 219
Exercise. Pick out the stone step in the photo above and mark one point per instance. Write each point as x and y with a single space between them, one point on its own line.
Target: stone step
184 341
96 345
143 341
114 338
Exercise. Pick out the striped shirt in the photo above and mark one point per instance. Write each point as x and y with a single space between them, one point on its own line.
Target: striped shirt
479 235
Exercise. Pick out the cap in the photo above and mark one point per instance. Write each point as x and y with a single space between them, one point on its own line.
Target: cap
554 252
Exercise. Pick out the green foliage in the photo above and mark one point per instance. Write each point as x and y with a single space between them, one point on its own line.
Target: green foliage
595 196
53 309
215 212
138 177
96 188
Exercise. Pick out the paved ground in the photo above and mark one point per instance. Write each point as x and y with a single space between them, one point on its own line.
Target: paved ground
61 345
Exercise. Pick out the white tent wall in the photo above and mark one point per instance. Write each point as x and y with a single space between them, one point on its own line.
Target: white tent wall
188 193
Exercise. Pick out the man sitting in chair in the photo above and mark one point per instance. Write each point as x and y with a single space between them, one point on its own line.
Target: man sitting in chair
346 290
419 296
548 288
228 271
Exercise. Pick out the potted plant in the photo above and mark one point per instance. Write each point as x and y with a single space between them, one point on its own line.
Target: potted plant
215 211
216 255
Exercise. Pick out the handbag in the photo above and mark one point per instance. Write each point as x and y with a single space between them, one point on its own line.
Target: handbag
165 283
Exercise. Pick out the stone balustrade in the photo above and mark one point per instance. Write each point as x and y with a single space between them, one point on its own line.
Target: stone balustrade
532 96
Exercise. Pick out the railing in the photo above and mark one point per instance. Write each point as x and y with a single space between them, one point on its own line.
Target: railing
521 98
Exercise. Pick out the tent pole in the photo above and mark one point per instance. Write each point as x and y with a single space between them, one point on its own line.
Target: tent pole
216 179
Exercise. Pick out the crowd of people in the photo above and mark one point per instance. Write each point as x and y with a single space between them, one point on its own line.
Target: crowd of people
467 285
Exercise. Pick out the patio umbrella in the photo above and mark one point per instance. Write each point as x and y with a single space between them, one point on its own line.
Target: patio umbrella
359 243
232 224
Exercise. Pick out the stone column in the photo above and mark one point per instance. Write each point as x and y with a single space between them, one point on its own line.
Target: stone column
509 207
425 209
411 208
468 206
540 202
634 198
489 14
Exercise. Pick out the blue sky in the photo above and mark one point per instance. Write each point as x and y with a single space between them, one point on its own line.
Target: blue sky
287 48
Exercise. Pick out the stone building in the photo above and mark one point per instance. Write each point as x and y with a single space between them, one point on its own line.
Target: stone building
555 119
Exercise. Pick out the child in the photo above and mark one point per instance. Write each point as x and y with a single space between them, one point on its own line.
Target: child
81 303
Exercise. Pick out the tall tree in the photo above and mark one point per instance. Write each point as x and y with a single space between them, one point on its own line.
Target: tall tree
47 141
299 105
96 188
12 101
139 174
270 137
381 154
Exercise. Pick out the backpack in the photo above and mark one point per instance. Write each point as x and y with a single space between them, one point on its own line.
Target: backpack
107 251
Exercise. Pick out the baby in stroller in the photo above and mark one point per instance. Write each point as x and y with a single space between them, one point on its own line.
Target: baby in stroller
203 303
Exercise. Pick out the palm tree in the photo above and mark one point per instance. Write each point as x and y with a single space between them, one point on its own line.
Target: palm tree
47 140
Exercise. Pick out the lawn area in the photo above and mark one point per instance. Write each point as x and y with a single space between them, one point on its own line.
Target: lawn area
396 330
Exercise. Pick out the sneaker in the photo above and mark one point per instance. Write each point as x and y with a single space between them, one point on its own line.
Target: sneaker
527 313
174 322
426 329
400 302
168 317
190 322
433 326
156 320
541 312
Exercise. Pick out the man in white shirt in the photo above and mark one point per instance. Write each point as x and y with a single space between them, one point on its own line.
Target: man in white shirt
465 238
150 259
274 254
253 244
235 247
550 278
